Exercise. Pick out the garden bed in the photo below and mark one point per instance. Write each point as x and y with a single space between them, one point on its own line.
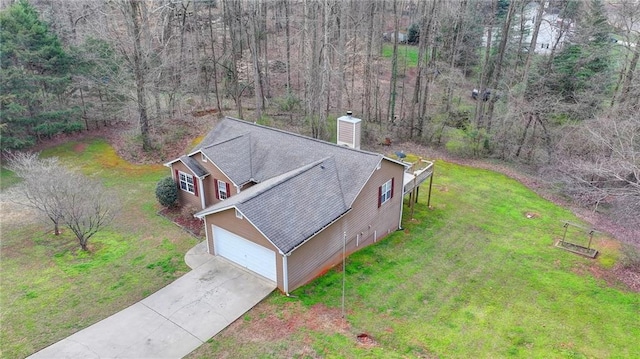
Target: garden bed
190 224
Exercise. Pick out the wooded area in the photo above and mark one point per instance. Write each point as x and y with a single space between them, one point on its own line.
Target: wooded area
553 85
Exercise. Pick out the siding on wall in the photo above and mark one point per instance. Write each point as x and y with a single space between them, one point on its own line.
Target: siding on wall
186 198
208 182
242 227
365 219
346 131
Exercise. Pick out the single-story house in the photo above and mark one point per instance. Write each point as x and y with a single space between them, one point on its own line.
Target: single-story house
284 205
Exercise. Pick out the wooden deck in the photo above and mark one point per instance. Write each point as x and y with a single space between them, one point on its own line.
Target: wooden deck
415 175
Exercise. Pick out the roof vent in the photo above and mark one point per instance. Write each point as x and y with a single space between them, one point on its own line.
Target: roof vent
349 131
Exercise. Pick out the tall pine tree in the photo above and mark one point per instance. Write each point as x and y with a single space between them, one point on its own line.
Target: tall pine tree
35 80
581 74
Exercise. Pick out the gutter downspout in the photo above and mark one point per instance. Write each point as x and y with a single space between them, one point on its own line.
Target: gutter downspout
201 192
401 203
285 275
206 233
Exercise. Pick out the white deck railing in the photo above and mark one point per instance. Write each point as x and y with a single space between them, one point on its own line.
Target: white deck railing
421 170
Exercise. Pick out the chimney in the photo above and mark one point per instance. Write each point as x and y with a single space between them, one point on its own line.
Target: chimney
349 131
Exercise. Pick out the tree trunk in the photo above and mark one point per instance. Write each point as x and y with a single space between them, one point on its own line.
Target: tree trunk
342 25
532 45
366 100
524 135
421 50
139 66
391 109
485 76
626 86
215 61
288 34
497 73
254 47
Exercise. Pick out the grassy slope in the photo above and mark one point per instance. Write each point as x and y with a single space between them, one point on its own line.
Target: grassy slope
471 278
407 54
50 289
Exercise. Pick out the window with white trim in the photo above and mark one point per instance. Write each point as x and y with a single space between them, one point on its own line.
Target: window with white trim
186 182
222 190
204 158
239 214
386 192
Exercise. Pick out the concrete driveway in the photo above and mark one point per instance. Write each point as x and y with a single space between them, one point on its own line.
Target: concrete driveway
173 321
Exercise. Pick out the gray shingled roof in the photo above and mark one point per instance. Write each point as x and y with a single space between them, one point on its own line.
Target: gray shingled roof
302 184
233 157
194 166
307 199
272 152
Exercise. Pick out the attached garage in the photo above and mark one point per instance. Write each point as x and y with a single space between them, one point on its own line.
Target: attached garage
245 253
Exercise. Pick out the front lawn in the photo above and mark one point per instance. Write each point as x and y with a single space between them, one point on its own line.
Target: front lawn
477 276
50 289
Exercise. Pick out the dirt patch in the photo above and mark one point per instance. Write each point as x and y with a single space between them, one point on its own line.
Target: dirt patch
620 276
630 276
268 323
365 339
79 147
531 215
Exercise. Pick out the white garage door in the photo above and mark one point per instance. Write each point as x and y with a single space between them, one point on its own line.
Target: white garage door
245 253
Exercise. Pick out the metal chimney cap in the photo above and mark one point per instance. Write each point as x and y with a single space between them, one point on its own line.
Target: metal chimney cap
349 113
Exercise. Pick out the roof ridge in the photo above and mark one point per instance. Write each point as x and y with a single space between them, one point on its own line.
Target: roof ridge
225 141
278 180
284 178
301 136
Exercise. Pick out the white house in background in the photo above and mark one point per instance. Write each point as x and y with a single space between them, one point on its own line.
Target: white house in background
552 27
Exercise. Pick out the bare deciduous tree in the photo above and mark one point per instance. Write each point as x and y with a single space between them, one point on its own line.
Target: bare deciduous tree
87 207
600 160
42 185
63 196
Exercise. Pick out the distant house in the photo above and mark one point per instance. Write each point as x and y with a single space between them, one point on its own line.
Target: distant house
553 29
402 36
283 205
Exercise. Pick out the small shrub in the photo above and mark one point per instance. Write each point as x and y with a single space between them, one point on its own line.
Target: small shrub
167 192
288 103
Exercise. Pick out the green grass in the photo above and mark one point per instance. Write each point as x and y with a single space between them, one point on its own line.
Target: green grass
7 178
51 289
471 278
407 55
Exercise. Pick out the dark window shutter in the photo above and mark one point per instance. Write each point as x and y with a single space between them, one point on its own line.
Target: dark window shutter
177 179
379 196
228 192
215 186
195 186
392 185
